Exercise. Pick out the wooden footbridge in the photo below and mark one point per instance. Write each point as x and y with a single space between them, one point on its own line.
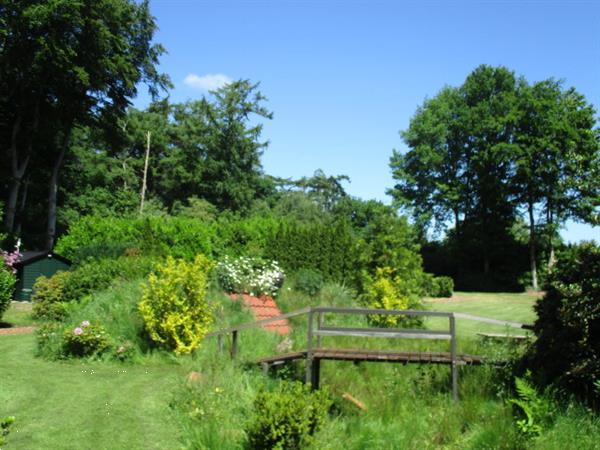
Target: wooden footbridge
319 327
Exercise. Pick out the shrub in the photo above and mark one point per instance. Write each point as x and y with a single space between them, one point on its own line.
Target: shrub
10 259
98 237
49 297
438 286
308 281
85 340
390 292
7 285
174 306
445 286
566 352
330 249
99 274
5 424
288 417
249 275
237 237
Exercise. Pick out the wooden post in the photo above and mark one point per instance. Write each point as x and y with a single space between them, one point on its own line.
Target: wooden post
220 343
265 368
234 343
145 172
319 324
453 356
316 373
309 352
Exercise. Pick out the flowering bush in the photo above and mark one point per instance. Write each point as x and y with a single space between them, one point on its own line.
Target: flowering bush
125 351
10 259
254 276
85 339
174 306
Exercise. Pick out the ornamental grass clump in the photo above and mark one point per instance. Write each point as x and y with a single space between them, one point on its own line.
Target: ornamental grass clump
253 276
86 339
174 307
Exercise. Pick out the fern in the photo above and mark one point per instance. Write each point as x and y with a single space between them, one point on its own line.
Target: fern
537 409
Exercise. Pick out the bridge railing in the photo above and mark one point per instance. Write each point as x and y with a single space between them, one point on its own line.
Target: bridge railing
317 329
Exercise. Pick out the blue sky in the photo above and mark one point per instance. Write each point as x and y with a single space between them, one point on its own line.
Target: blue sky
344 77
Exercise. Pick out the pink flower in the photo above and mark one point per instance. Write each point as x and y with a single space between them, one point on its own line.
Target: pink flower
77 331
85 323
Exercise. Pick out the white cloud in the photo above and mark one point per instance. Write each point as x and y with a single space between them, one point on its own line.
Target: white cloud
208 82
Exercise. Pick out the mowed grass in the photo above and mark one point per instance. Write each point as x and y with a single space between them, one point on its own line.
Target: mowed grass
500 306
78 405
17 315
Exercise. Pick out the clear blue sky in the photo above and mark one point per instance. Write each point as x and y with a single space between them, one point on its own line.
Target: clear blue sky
344 77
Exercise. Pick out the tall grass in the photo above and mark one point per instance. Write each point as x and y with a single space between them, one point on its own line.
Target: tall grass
407 406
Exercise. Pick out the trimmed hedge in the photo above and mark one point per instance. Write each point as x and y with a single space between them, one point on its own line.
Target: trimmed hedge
330 250
97 237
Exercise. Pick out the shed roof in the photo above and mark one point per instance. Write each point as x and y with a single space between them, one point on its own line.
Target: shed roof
33 256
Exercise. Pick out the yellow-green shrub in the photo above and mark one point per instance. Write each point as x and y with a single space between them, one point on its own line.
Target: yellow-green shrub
387 291
174 306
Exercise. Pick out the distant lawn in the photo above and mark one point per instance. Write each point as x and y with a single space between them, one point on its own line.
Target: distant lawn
501 306
75 405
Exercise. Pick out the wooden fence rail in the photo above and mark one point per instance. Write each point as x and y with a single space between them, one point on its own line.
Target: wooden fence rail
317 329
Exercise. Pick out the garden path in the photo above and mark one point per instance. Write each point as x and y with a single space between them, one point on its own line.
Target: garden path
264 307
16 330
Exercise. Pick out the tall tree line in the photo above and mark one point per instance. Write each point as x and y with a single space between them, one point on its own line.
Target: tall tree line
65 64
494 150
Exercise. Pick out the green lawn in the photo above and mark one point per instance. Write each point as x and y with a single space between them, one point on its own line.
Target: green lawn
105 405
18 315
79 405
501 306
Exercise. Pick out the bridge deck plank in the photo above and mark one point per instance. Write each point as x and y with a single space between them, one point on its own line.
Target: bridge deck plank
339 354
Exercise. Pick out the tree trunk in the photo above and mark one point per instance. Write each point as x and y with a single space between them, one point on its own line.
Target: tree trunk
51 229
552 257
18 170
22 206
456 222
532 248
143 194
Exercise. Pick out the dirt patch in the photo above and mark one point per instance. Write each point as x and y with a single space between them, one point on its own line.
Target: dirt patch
17 330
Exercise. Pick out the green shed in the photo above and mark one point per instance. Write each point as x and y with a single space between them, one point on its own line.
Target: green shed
32 265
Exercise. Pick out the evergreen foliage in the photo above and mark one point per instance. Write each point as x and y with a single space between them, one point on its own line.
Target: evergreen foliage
330 249
567 350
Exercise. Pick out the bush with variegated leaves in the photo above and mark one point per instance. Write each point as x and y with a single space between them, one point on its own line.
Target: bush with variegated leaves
174 307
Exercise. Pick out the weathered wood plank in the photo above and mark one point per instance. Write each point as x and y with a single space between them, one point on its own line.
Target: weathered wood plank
504 336
382 333
377 356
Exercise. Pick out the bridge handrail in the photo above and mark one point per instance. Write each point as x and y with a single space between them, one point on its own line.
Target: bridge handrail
329 309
